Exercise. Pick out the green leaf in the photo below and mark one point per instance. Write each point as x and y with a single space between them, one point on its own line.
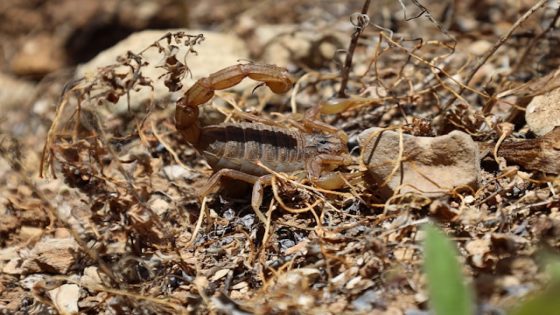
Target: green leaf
448 291
552 265
546 302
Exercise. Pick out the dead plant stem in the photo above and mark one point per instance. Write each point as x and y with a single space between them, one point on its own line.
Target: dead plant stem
534 41
492 50
353 43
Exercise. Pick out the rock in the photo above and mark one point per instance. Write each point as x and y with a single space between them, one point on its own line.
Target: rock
297 276
216 52
13 267
52 255
14 92
478 246
479 47
8 224
175 172
158 205
61 232
432 166
367 300
91 278
7 253
543 112
280 42
65 298
38 56
34 281
283 44
30 232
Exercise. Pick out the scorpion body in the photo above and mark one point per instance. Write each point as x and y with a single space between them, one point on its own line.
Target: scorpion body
237 150
239 146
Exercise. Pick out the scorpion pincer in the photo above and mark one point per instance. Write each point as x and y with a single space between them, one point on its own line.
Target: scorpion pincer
233 150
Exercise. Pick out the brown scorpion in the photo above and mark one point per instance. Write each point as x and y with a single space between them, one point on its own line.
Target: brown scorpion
238 150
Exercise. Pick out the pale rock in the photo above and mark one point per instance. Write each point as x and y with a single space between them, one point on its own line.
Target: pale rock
282 44
352 283
175 172
366 301
159 206
479 47
13 267
469 199
34 280
403 254
65 298
7 253
342 278
62 233
40 55
296 276
217 51
52 255
14 92
30 232
8 223
240 285
219 274
91 278
12 258
478 246
431 166
543 112
42 107
276 49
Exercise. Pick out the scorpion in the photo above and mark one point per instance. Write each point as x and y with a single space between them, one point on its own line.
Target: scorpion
247 151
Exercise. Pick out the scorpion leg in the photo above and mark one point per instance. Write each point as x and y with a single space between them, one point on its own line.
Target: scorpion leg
258 184
258 191
312 122
254 118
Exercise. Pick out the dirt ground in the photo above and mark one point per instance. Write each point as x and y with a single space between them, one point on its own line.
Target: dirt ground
100 206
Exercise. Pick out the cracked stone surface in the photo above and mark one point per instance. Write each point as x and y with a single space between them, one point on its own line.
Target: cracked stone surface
431 165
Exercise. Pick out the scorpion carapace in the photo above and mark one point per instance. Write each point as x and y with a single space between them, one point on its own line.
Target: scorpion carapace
237 150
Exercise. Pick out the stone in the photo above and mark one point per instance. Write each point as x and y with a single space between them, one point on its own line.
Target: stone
52 255
65 298
543 112
39 55
13 267
479 47
9 223
431 166
14 92
91 278
285 43
280 42
176 171
30 232
216 52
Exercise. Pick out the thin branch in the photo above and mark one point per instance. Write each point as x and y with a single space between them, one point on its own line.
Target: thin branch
361 22
534 41
492 50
